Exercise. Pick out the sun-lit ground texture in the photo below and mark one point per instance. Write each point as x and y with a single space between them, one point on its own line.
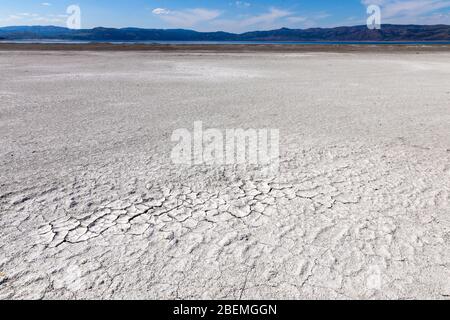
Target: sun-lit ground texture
93 207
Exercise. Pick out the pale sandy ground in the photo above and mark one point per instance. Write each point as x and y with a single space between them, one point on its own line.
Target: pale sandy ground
92 207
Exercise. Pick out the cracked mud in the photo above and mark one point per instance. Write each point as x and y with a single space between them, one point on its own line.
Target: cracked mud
92 207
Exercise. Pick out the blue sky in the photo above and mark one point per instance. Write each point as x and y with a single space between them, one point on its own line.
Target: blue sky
226 15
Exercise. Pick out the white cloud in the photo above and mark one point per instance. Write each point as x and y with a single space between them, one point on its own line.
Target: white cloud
266 18
26 14
159 11
46 4
203 19
413 11
274 18
47 20
187 18
242 4
27 18
12 17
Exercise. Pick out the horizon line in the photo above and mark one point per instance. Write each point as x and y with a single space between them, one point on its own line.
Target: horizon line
221 31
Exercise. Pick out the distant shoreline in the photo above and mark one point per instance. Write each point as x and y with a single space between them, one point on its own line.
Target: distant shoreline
387 33
159 42
368 48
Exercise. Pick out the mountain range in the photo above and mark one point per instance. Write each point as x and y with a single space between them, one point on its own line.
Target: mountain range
388 32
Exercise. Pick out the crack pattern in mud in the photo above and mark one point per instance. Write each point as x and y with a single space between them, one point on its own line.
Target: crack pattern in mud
322 232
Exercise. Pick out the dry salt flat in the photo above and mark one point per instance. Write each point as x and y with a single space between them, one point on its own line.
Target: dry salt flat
92 207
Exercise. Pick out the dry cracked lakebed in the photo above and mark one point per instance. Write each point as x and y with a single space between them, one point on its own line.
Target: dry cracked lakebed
92 206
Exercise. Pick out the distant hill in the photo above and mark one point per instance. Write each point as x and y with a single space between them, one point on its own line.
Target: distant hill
356 33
